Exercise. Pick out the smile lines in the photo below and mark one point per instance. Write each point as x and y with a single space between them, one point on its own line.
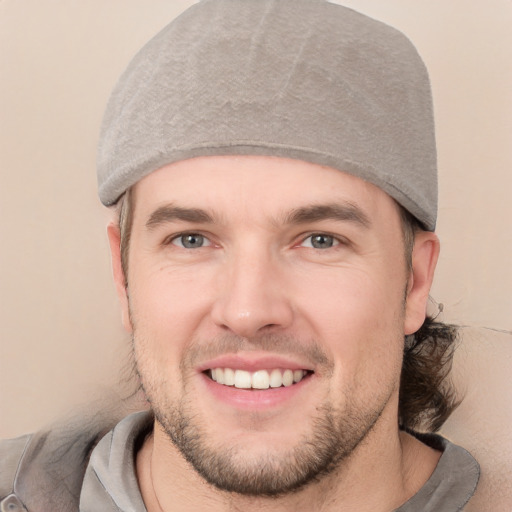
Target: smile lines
261 379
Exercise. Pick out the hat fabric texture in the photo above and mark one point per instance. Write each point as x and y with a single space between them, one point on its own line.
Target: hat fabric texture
301 79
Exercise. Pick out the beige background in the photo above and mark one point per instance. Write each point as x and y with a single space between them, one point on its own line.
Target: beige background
60 338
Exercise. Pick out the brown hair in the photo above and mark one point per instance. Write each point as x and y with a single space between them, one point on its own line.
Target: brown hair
426 396
125 221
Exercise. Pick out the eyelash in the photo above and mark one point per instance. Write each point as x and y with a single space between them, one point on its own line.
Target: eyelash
336 240
171 240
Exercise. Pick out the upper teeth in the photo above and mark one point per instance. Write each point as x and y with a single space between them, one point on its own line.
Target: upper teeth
261 379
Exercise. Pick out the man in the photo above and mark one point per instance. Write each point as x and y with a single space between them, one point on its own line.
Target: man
274 168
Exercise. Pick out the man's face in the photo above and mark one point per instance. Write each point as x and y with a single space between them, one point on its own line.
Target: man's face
260 272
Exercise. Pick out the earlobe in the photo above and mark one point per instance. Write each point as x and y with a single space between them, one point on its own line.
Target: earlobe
424 260
114 238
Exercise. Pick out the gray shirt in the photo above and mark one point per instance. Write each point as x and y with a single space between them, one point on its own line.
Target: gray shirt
110 482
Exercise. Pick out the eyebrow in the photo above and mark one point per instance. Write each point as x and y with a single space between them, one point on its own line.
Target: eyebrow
303 215
336 211
170 213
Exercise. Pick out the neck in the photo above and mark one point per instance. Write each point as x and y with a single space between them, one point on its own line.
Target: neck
382 473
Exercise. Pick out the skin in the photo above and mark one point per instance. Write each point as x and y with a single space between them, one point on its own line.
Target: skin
259 288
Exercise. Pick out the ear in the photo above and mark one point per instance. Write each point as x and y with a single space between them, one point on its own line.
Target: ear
424 260
114 239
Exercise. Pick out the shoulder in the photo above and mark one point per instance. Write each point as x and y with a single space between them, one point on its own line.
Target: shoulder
45 470
11 453
453 481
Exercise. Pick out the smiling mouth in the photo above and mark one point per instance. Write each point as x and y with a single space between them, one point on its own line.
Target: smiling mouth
260 379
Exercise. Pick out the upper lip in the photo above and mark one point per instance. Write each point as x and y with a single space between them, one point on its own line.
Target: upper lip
252 362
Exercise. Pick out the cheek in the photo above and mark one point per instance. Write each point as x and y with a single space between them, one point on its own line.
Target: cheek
349 300
159 335
167 308
360 319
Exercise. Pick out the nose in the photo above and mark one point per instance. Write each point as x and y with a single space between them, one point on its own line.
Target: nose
252 295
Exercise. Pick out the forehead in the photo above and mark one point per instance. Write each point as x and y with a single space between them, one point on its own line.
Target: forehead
256 185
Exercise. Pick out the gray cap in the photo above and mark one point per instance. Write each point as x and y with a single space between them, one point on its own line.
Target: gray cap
302 79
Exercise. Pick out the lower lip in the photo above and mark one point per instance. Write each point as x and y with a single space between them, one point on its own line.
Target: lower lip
254 399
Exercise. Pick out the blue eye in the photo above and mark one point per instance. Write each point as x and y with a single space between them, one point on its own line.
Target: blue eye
320 241
191 241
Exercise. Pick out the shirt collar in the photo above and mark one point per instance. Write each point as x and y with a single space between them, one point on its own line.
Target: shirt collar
110 483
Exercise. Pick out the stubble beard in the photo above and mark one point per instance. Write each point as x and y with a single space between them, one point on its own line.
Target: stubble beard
332 439
333 436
